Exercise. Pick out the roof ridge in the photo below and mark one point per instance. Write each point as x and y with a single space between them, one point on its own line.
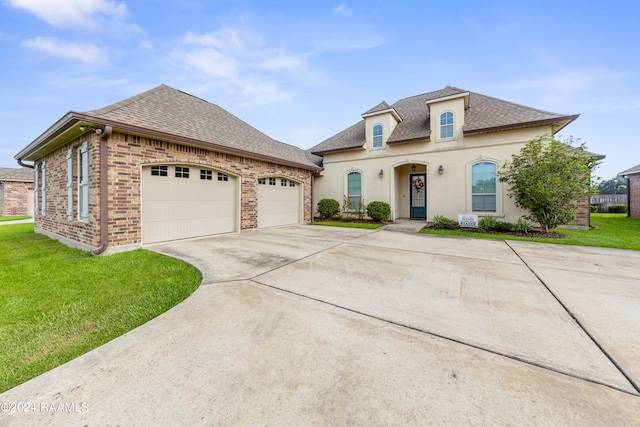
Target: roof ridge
519 105
127 101
429 93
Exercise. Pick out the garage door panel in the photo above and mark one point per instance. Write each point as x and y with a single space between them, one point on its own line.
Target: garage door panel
179 208
278 205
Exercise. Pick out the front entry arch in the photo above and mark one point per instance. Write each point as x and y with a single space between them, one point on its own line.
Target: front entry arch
418 196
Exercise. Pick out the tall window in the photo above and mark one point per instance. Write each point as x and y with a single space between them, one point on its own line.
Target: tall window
446 125
377 136
354 189
483 187
70 184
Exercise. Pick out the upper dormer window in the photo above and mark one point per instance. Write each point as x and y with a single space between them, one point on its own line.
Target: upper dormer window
377 136
446 125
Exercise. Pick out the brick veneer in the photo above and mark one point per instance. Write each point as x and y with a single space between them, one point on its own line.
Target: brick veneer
13 197
127 154
634 195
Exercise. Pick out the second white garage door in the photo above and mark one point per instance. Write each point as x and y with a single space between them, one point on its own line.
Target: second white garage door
180 202
278 202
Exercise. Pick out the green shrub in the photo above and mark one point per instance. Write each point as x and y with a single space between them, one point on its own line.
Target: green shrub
443 223
502 226
487 223
594 209
379 211
523 226
327 208
618 209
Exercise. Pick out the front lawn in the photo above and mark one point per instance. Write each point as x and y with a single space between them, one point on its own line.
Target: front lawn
13 218
610 231
57 303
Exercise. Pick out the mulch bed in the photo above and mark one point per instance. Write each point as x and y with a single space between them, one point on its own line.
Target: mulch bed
533 234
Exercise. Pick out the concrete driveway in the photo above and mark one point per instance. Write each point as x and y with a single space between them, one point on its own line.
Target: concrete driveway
309 325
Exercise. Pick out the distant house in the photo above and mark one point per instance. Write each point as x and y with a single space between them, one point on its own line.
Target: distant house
16 191
434 154
633 188
162 165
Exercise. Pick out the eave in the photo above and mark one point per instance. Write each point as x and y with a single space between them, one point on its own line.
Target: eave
68 128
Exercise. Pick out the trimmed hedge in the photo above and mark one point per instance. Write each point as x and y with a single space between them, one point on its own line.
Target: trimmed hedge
328 208
379 211
618 209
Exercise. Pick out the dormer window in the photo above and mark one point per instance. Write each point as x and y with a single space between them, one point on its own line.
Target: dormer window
377 136
446 125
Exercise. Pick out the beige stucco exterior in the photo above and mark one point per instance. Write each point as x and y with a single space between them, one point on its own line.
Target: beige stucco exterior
449 193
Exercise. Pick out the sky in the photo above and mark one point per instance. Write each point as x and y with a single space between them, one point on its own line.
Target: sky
302 71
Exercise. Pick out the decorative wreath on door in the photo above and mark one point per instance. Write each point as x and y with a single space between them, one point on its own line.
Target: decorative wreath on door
418 183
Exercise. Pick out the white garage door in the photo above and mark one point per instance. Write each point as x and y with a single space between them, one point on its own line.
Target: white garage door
278 202
180 202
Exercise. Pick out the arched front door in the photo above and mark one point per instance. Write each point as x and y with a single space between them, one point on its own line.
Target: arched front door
418 199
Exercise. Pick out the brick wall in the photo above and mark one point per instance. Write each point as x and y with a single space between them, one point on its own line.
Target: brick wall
127 155
13 195
634 195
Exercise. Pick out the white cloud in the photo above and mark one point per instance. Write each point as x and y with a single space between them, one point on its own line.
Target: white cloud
84 52
240 64
94 15
343 10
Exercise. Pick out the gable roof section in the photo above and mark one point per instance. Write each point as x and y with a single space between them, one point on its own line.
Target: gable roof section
631 171
485 114
167 113
16 174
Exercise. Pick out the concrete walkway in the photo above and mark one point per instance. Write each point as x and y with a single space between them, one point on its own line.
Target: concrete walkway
20 221
330 326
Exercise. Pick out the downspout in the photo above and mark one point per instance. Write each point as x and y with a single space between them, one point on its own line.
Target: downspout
628 196
104 193
24 165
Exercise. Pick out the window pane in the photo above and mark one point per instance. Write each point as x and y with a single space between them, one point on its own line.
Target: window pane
353 184
446 118
483 203
446 132
484 178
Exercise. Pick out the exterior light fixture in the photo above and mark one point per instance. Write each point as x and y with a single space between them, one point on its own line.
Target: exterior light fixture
381 173
440 170
413 168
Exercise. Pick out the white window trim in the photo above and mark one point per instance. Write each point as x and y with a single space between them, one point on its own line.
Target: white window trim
346 183
499 206
373 137
83 182
453 126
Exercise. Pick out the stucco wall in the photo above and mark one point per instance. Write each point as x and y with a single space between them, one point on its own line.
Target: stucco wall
127 155
449 193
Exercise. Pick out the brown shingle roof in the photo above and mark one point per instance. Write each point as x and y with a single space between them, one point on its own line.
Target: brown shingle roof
16 174
483 115
177 113
631 171
383 106
173 115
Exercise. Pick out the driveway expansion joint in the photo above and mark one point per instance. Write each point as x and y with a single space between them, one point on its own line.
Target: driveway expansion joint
454 340
577 321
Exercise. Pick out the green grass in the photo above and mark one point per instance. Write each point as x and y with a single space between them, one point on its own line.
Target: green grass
57 303
347 224
13 218
610 231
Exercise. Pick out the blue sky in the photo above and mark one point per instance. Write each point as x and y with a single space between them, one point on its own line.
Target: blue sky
302 71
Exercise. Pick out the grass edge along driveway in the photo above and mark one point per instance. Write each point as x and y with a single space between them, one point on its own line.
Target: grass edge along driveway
57 303
609 231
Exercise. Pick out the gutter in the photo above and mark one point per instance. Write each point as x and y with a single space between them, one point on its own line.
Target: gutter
104 193
24 165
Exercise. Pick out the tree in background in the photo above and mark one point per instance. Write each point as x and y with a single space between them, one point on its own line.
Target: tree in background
548 177
613 186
